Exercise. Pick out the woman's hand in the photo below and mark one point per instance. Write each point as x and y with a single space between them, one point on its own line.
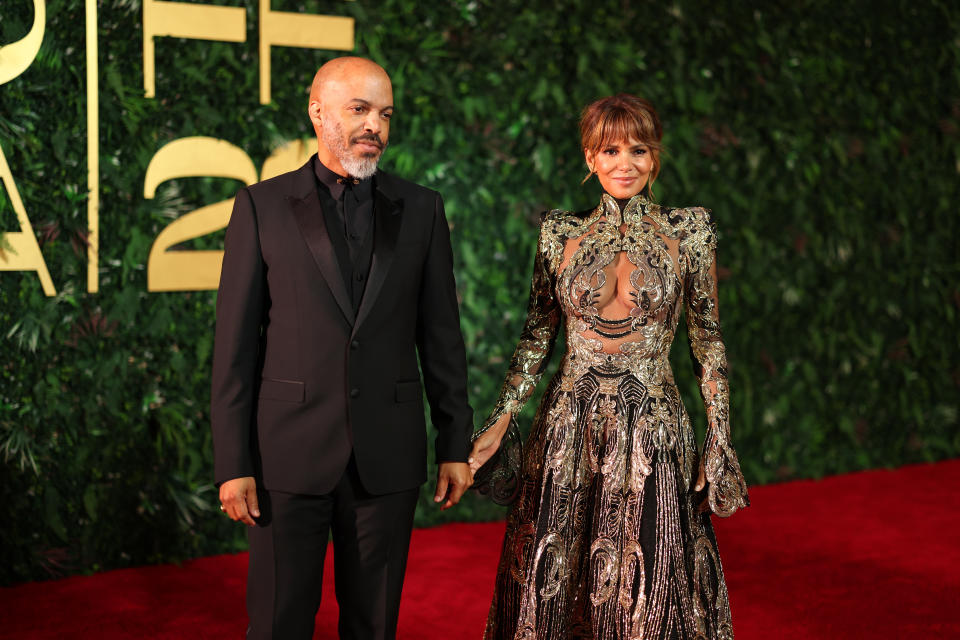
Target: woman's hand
487 444
698 487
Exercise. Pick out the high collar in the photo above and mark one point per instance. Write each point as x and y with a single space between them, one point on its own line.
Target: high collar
617 210
336 184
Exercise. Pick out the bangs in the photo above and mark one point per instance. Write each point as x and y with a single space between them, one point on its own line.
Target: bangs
620 125
618 119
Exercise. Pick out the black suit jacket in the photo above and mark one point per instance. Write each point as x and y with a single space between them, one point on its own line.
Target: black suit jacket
298 380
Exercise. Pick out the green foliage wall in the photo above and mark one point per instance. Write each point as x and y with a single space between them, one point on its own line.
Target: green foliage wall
824 136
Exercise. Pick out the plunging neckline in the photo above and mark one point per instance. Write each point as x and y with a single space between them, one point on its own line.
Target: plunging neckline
642 289
639 222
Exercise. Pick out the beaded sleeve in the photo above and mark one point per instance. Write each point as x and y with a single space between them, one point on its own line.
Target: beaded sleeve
726 489
499 476
537 339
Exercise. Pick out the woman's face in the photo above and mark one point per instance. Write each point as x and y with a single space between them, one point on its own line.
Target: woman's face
623 168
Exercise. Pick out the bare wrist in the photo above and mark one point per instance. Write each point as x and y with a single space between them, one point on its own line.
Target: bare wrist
501 425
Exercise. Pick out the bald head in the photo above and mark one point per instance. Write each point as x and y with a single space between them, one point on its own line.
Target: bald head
344 69
351 103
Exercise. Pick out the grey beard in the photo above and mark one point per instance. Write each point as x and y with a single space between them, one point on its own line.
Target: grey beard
360 168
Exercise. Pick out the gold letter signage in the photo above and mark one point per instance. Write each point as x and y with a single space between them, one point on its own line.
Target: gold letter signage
171 270
19 250
182 20
279 29
168 267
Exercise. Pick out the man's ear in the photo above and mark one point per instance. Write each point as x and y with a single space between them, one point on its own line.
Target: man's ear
314 111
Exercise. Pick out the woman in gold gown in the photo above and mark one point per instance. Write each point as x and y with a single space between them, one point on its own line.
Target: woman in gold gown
609 536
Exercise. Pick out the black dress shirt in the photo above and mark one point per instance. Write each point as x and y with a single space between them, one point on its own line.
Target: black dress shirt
347 205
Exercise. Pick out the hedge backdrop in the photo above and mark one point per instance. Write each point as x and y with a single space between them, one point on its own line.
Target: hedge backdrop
824 136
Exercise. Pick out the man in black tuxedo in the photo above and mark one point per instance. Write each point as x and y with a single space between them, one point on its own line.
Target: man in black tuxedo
335 278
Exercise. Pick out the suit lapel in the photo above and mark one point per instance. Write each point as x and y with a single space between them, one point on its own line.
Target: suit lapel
387 221
309 216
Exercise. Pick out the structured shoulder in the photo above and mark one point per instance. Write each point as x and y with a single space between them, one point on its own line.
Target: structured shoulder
700 224
682 221
551 215
292 184
695 228
556 226
680 217
282 183
562 215
699 216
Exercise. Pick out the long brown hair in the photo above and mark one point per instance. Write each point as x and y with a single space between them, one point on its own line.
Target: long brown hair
617 119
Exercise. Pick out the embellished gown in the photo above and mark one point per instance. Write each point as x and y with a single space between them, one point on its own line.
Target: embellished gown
606 538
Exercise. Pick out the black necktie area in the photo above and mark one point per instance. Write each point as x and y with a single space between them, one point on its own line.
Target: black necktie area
347 204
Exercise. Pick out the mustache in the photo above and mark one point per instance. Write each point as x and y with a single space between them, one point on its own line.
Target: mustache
368 137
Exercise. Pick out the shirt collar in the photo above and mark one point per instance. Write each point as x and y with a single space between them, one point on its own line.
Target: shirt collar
335 183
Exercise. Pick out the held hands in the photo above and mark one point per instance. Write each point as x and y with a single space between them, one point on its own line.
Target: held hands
487 444
453 479
238 499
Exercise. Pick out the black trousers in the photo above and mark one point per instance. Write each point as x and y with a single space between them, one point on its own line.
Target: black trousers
371 537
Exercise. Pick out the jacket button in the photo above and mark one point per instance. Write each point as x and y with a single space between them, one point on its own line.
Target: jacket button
355 393
355 344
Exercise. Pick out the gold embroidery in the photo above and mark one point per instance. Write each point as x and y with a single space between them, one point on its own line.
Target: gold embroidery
605 539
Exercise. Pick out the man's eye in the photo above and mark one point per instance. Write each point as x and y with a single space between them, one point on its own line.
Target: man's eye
386 116
357 109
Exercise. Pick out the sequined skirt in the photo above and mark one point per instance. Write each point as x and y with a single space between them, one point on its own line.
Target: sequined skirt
605 539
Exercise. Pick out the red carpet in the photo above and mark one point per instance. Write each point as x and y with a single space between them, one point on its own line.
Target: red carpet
868 555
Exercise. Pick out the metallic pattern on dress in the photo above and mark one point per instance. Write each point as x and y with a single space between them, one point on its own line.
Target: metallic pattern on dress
605 538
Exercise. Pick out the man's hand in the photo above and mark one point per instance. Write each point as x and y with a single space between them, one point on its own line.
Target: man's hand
238 499
453 478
